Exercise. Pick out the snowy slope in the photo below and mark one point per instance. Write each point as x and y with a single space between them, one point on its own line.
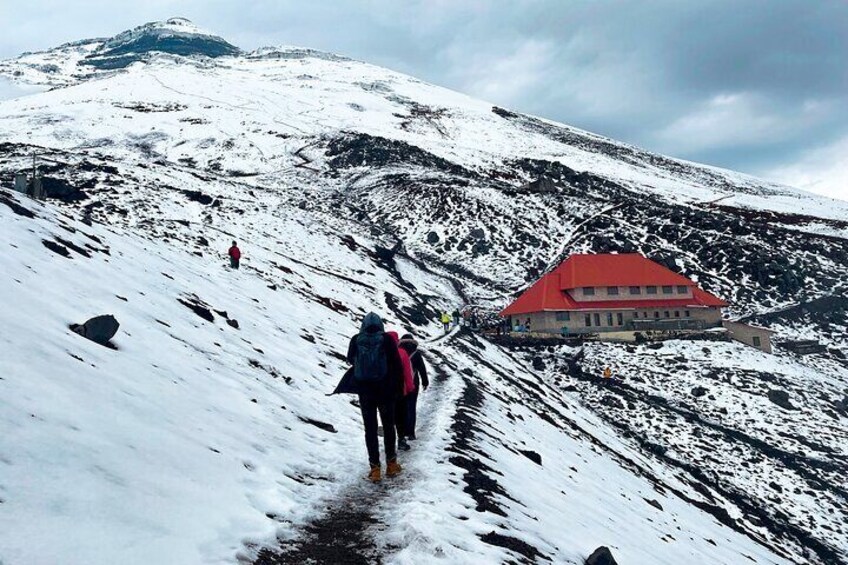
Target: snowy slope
191 443
353 188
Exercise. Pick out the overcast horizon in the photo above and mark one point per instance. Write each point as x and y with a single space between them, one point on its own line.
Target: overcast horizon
758 87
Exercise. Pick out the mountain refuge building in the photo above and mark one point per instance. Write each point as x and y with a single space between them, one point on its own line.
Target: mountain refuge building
613 293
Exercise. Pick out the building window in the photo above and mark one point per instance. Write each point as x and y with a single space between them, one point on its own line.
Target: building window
588 320
682 289
563 316
588 291
651 290
757 342
620 318
612 291
668 289
686 313
677 313
656 314
635 290
645 314
597 319
609 319
667 314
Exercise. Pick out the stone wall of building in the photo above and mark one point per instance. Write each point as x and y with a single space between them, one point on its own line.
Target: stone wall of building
621 320
754 336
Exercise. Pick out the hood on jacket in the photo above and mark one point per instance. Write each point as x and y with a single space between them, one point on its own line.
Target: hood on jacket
393 336
408 342
371 324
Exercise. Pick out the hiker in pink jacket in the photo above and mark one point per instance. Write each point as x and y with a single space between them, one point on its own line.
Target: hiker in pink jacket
408 386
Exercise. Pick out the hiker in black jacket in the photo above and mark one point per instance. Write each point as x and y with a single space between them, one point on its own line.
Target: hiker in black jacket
419 371
378 377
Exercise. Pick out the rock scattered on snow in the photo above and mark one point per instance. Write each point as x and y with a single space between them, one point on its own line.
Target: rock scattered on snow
601 556
532 456
99 329
699 391
781 398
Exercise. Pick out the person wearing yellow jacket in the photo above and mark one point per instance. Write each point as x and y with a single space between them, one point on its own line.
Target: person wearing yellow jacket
446 321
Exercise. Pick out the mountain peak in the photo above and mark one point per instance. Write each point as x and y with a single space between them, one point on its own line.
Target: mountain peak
177 36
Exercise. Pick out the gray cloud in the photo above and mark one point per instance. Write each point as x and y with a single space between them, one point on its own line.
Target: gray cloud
754 86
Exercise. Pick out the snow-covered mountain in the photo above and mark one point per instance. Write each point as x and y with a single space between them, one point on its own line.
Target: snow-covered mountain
206 436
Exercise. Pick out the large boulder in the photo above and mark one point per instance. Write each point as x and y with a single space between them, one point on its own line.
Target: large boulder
99 329
601 556
781 398
699 391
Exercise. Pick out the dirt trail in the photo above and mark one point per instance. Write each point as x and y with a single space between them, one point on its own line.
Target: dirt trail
345 533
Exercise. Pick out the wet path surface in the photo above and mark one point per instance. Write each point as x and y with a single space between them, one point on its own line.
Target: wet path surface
345 532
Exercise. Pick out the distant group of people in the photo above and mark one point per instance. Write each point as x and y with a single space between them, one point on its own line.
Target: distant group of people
387 373
466 316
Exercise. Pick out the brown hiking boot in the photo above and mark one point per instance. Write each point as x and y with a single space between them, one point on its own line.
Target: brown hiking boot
374 476
393 468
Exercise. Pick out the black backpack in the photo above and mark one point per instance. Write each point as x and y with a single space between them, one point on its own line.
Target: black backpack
371 363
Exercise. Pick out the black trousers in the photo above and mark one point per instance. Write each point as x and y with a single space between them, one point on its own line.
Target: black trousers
411 400
370 406
400 418
234 263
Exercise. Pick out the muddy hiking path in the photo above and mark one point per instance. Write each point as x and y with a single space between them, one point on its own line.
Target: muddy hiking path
346 531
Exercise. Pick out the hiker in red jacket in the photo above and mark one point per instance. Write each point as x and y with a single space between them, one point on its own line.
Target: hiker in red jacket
408 386
419 370
235 256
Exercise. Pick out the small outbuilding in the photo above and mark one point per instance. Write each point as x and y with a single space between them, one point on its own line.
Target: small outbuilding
755 336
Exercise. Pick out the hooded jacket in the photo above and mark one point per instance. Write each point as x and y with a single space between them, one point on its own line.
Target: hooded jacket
384 390
419 368
406 364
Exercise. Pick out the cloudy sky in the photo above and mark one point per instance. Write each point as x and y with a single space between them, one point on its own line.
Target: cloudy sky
759 86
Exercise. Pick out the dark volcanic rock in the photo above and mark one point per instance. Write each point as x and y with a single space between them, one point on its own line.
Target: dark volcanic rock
360 149
532 456
61 189
699 391
56 248
319 424
781 398
513 544
99 329
612 401
601 556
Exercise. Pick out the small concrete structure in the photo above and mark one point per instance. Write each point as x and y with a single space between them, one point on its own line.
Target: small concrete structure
755 336
21 182
32 187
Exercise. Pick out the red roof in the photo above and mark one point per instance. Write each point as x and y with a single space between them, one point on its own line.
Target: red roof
632 269
628 269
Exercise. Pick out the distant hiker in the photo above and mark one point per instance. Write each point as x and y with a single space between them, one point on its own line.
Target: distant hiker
419 370
378 377
607 373
446 321
408 386
457 318
527 325
235 256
